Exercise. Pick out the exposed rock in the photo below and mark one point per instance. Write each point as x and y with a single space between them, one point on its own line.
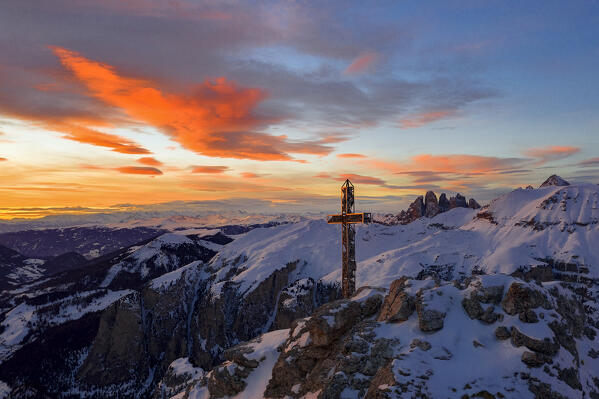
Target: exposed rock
430 204
545 346
459 201
420 344
118 353
179 376
398 305
332 320
472 307
237 354
533 359
227 380
520 298
473 204
528 316
443 203
554 180
570 377
430 319
415 211
502 333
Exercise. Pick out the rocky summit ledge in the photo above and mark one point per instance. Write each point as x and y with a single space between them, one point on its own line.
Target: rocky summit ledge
489 336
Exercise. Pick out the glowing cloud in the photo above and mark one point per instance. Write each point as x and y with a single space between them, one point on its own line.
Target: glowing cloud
361 64
87 135
209 169
149 161
249 175
216 119
139 170
351 156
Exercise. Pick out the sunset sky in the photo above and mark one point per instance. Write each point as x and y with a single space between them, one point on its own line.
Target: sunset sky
143 102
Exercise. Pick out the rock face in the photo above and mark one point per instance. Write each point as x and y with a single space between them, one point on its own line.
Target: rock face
429 206
415 211
554 180
473 204
459 201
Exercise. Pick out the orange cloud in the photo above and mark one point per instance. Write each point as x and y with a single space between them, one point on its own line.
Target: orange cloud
139 170
361 64
3 159
209 169
351 156
551 153
418 120
249 175
83 134
149 161
217 119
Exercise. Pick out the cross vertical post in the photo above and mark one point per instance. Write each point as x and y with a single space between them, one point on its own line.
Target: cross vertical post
347 219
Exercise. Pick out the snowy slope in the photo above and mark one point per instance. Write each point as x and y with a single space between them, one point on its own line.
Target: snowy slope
519 230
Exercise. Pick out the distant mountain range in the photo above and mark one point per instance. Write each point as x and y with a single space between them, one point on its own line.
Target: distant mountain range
496 301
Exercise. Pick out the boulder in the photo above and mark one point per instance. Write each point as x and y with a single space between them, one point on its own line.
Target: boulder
430 319
502 333
397 306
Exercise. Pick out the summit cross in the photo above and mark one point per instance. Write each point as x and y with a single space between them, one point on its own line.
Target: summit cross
347 219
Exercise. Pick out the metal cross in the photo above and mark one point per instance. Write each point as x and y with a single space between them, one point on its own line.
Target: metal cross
347 219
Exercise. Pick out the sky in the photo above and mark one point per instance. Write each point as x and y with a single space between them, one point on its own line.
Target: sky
111 104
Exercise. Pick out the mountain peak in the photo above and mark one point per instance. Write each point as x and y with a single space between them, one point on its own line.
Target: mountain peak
554 180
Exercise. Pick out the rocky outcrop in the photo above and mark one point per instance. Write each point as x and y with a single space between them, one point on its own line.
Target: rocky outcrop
398 305
398 345
311 361
472 204
443 203
428 206
554 180
459 201
431 205
415 211
118 354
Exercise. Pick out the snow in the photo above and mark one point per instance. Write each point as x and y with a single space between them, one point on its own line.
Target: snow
19 321
266 353
4 390
170 278
182 366
456 242
140 255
